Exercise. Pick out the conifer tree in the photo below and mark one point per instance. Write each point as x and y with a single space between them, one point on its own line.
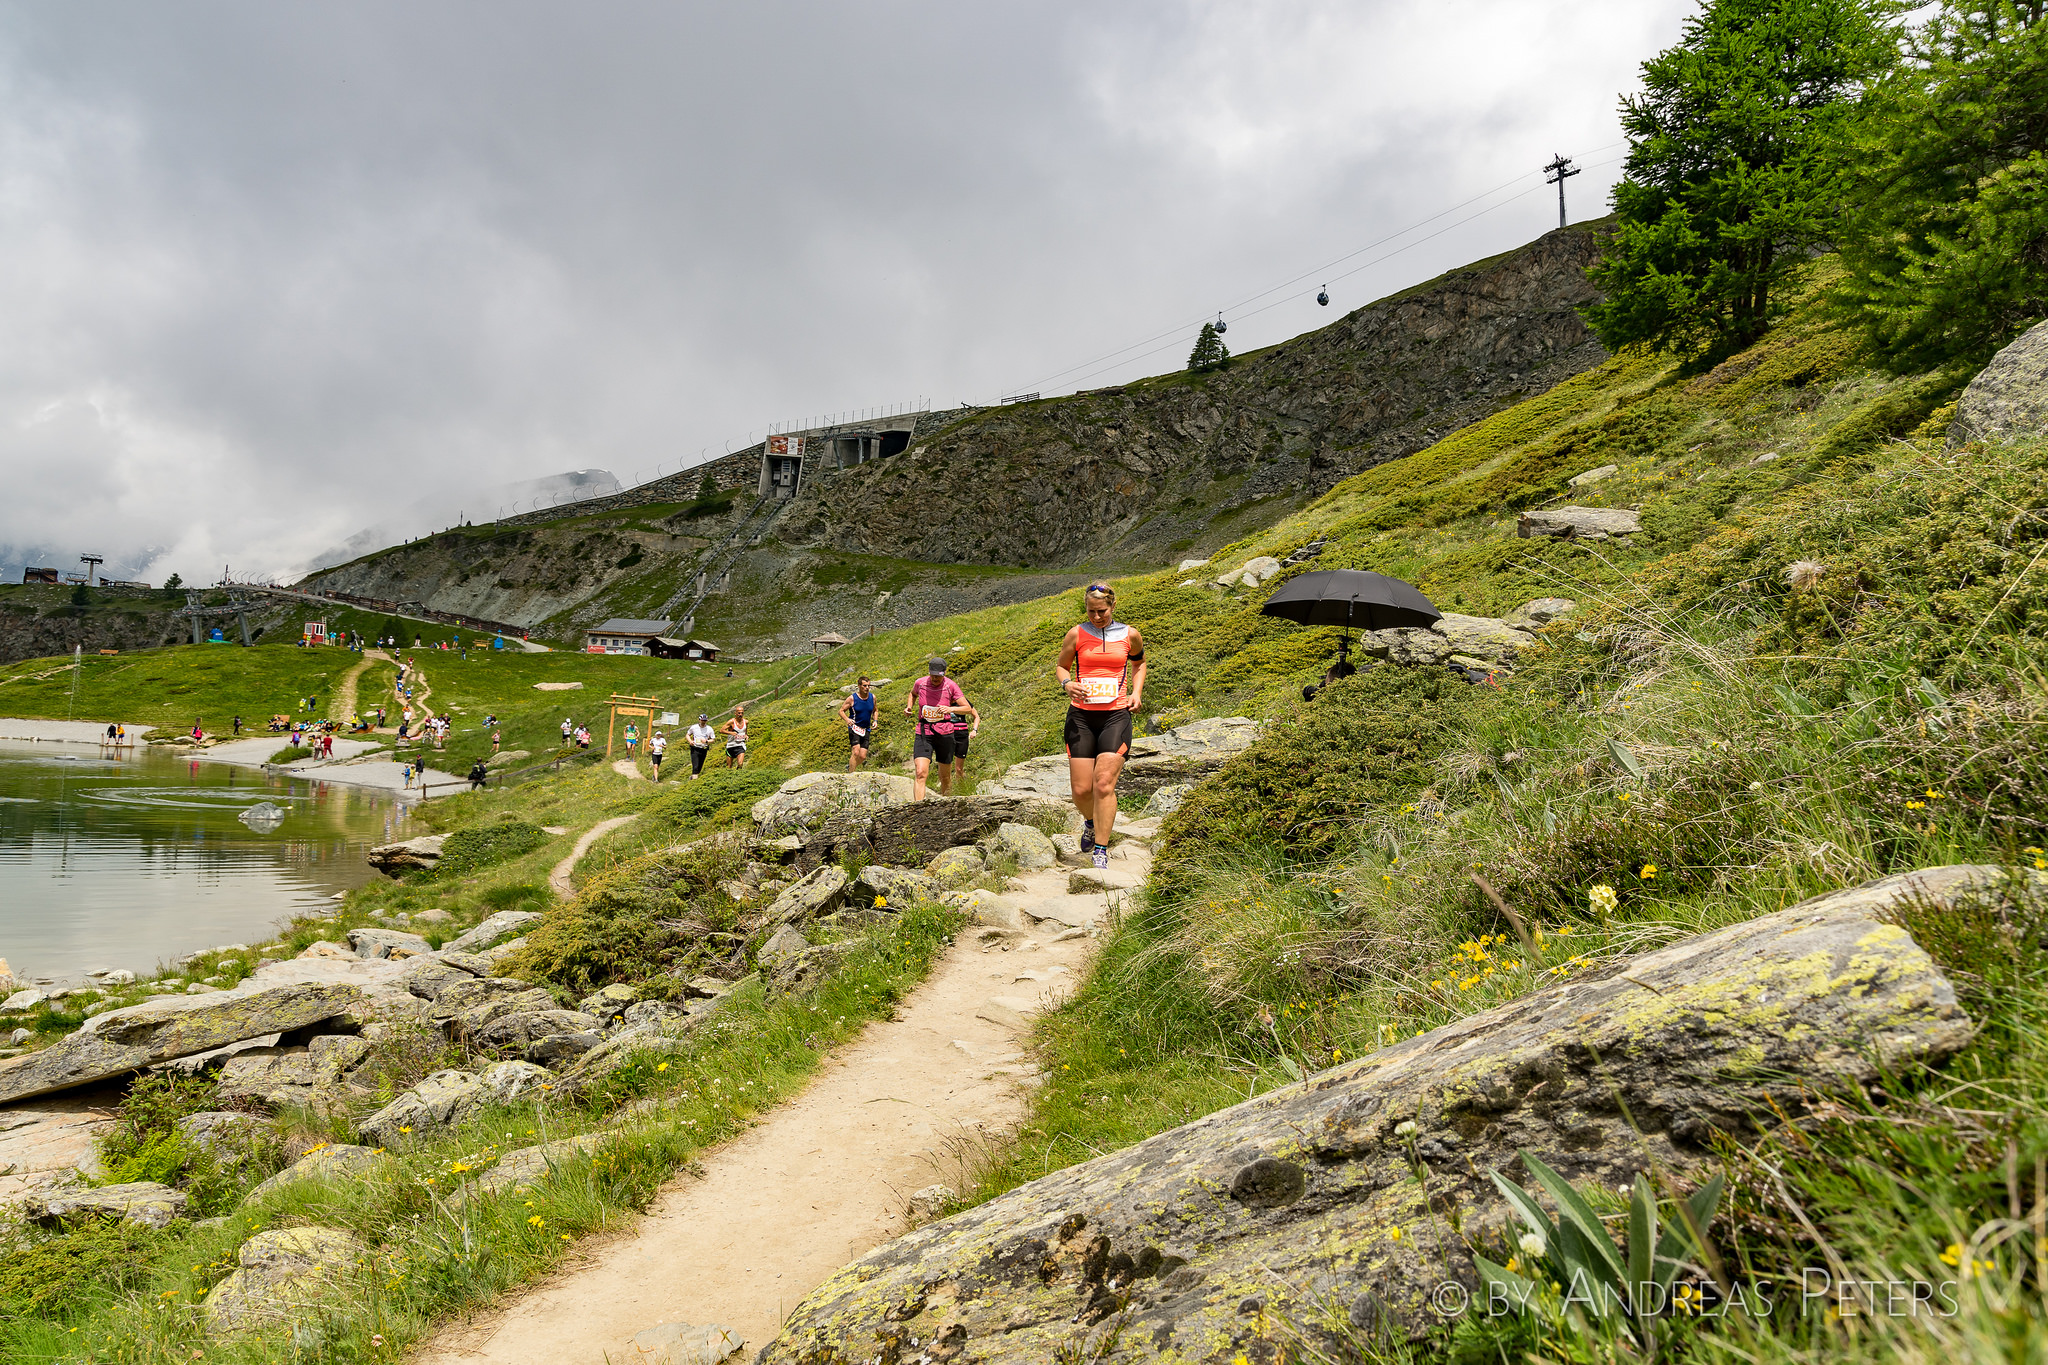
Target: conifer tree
1730 170
1945 228
1210 353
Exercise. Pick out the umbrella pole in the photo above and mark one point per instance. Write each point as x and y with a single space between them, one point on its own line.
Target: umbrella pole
1344 640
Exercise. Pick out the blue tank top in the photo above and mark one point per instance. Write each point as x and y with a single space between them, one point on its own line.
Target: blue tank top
863 711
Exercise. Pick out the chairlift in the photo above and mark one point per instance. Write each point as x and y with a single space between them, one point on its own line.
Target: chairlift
1221 325
1323 296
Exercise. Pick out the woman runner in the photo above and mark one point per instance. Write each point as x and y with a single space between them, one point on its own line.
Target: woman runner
1102 670
858 711
934 701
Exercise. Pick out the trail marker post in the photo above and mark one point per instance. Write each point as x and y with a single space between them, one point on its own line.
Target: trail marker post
626 706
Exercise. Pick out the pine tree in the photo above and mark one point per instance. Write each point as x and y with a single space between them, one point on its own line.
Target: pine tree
708 489
1210 353
1730 169
1945 230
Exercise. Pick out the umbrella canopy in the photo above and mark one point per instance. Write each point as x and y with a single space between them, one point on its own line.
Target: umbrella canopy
1355 599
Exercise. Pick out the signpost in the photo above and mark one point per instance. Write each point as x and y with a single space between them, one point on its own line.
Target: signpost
626 706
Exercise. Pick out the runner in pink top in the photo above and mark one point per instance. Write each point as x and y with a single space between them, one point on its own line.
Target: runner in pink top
934 701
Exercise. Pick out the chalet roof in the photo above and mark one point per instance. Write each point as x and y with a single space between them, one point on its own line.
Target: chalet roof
626 625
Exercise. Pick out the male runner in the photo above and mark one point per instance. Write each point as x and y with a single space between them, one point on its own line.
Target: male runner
933 701
858 711
1102 670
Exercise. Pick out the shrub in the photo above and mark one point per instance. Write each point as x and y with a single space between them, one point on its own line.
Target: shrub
646 917
480 846
63 1271
1364 742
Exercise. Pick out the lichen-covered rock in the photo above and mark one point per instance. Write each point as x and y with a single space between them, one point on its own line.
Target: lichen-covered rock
815 894
608 1003
504 1082
427 977
1489 638
1186 753
806 802
908 835
786 941
492 931
1540 612
1579 523
526 1167
1307 1197
124 1040
330 1161
1027 844
283 1275
799 973
142 1201
226 1133
393 943
956 866
1409 646
410 855
897 887
2009 397
1254 572
441 1100
560 1049
987 907
1164 802
518 1029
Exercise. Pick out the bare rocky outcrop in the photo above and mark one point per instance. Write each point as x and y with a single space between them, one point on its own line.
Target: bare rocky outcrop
143 1201
1579 523
806 802
2009 397
1336 1190
125 1040
284 1275
491 931
1186 753
408 855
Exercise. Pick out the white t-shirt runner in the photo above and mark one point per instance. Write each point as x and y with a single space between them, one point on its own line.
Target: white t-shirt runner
700 736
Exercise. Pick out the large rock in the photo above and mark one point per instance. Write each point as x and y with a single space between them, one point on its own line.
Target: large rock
411 855
2009 397
144 1201
280 1076
283 1275
518 1029
125 1040
1485 636
1254 572
1186 753
908 835
803 972
622 1047
897 887
952 867
1540 612
226 1133
1027 844
818 892
391 943
442 1100
491 931
337 1161
1579 523
526 1167
807 802
1289 1205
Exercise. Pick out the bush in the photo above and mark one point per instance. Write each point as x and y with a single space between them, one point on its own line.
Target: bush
722 793
468 850
64 1271
1364 742
648 917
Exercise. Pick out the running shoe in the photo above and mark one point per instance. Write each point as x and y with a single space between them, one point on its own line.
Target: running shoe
1101 856
1088 833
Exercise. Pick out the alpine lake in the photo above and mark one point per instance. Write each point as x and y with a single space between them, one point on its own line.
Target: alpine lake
130 858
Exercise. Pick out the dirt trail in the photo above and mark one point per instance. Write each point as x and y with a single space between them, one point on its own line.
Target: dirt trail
822 1180
559 878
342 705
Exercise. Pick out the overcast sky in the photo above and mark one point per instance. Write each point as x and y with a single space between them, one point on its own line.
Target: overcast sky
272 273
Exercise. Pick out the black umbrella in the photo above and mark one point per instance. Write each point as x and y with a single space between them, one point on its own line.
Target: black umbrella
1355 599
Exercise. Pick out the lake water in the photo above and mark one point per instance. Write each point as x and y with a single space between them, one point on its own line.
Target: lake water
129 861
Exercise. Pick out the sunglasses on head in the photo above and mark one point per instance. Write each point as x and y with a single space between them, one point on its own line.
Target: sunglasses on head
1094 588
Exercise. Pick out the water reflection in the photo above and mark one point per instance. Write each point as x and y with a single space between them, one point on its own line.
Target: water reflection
122 861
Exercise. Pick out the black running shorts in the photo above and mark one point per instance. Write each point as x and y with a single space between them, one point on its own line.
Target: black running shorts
1091 734
960 738
938 748
858 741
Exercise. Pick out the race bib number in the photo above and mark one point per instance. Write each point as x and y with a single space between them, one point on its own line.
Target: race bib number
1100 691
935 713
860 729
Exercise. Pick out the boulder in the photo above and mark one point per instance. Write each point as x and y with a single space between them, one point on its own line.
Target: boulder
956 866
427 977
801 973
907 836
392 943
818 892
619 1049
124 1040
1540 612
1484 636
411 855
2009 397
225 1132
1579 523
986 907
1165 801
806 802
507 1081
649 1012
558 1049
897 887
1025 843
680 1343
521 1170
24 1000
1254 572
1408 646
142 1201
1068 847
442 1100
1290 1201
786 941
279 1076
518 1029
610 1002
329 1161
1186 753
1593 476
283 1275
507 757
471 1022
484 963
491 931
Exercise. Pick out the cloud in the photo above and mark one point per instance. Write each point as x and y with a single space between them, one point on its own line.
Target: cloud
274 274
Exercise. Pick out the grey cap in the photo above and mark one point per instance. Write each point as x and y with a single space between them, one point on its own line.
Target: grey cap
703 715
935 666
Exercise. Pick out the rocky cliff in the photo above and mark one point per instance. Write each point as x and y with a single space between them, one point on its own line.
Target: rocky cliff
1139 474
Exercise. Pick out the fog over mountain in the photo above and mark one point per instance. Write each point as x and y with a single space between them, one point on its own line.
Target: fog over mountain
276 275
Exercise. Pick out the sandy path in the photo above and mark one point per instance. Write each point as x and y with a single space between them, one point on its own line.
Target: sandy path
817 1183
559 878
342 706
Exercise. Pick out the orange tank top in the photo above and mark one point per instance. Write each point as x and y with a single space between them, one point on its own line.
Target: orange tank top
1100 661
